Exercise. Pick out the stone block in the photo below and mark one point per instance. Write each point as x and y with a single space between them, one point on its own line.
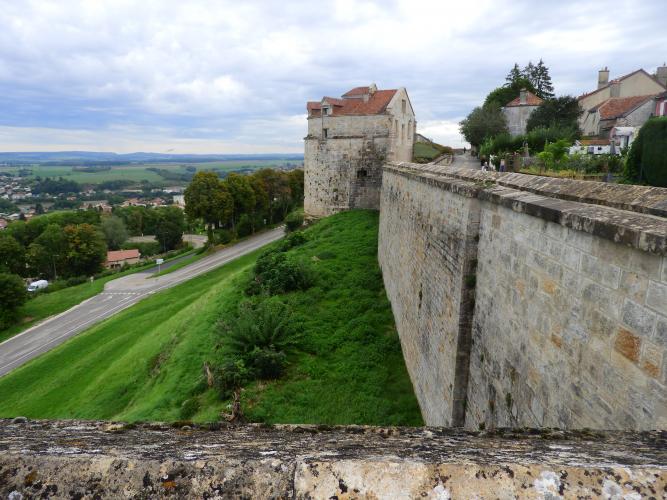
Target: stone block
656 296
634 286
603 272
651 359
639 318
628 344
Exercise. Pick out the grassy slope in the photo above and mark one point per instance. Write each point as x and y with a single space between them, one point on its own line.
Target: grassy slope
144 363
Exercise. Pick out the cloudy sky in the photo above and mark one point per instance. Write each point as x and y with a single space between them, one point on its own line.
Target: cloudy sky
202 76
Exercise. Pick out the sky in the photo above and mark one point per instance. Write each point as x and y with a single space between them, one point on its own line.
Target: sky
196 76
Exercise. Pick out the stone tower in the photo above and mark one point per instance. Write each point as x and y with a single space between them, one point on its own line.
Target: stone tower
348 141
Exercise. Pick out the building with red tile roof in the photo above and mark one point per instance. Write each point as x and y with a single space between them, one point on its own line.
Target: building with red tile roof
518 110
120 258
349 138
622 101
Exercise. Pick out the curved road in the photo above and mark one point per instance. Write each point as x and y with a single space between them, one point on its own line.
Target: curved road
117 295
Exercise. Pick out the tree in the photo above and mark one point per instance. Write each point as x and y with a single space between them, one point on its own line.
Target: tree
169 227
86 250
514 75
242 194
7 206
647 159
561 112
12 255
206 197
12 296
508 92
114 231
482 123
39 209
539 77
47 255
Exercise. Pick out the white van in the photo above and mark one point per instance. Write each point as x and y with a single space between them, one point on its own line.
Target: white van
37 285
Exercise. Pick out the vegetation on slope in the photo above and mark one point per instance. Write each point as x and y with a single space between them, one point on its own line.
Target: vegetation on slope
424 152
147 362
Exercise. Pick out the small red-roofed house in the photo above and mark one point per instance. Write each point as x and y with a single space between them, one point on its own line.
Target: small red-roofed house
119 258
518 110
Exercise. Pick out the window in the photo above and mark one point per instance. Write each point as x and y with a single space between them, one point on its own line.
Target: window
402 131
362 173
325 133
409 130
403 106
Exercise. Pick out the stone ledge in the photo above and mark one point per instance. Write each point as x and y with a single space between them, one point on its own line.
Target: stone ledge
106 460
642 224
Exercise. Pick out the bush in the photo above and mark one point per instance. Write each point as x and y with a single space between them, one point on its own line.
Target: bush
276 272
223 236
294 220
244 226
647 160
231 375
291 241
12 296
146 249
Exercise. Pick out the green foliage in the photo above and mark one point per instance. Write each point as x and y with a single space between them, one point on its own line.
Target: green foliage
424 152
294 220
7 206
223 236
244 226
647 158
559 112
231 375
535 139
535 78
12 296
276 273
502 96
114 231
12 255
482 124
86 250
169 227
242 194
56 186
208 198
146 248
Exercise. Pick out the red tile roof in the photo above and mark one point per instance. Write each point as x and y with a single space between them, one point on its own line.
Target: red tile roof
118 255
356 92
616 107
531 100
594 142
376 104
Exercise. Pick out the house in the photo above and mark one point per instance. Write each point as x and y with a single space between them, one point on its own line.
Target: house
660 104
519 110
617 112
625 101
622 137
591 147
119 258
349 138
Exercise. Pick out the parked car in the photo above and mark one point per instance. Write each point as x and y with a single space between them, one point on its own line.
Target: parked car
37 285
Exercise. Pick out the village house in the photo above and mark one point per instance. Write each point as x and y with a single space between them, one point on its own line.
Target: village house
348 141
592 147
626 101
519 110
119 258
660 104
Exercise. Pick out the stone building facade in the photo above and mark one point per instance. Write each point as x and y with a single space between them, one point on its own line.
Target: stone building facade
348 141
519 110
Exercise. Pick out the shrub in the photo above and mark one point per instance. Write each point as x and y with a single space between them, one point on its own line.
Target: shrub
146 248
12 296
231 375
291 241
189 408
244 226
223 236
647 159
294 220
276 273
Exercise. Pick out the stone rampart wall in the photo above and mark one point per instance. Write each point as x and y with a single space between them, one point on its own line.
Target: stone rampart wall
74 459
569 323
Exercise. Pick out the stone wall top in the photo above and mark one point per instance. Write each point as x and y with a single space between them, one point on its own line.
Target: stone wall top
626 214
74 458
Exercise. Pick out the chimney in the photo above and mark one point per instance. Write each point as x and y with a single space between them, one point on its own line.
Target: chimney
661 74
615 89
603 77
523 97
372 88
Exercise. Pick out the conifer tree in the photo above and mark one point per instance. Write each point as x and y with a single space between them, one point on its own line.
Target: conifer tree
542 81
514 75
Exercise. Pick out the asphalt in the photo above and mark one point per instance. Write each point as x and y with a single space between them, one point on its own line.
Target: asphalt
118 294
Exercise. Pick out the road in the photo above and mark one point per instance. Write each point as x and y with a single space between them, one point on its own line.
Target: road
118 294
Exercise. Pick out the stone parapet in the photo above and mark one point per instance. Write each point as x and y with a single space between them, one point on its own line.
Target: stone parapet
626 214
78 459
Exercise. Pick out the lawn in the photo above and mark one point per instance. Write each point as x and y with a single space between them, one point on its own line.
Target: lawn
146 363
424 152
139 172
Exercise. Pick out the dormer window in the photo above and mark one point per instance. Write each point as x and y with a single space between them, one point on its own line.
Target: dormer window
327 110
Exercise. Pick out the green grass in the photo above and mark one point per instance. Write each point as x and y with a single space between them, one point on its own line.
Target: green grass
146 362
191 257
138 172
424 152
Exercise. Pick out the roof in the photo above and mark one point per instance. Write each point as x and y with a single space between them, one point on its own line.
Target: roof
531 100
619 79
593 142
356 92
616 107
116 255
376 104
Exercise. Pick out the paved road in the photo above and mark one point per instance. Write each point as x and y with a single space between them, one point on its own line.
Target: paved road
117 295
465 160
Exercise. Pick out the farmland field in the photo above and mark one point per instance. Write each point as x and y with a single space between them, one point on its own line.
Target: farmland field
140 171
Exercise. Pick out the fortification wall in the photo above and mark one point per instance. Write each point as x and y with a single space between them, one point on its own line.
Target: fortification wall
569 326
75 459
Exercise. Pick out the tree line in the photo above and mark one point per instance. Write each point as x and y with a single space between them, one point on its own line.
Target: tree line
242 204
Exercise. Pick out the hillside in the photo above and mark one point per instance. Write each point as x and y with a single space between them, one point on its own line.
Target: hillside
424 152
146 363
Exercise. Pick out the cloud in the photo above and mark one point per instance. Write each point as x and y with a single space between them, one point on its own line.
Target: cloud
228 74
